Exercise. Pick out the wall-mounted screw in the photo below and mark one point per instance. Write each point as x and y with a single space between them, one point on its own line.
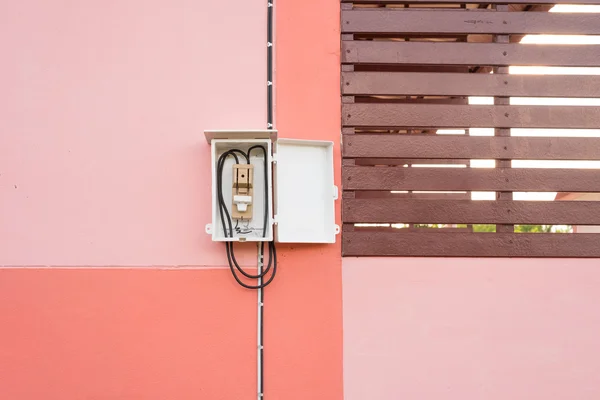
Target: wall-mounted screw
506 114
504 53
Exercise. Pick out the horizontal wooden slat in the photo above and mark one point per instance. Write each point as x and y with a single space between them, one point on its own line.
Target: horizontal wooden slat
458 244
483 22
386 194
471 212
471 116
457 84
470 1
491 54
409 68
465 147
409 229
380 100
484 179
406 161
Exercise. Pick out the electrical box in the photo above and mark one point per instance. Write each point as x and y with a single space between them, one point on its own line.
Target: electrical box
297 188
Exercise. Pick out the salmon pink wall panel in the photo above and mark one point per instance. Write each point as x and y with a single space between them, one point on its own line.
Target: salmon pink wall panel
471 329
303 307
102 109
125 334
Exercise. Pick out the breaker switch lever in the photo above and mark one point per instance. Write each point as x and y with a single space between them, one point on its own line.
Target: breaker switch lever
243 179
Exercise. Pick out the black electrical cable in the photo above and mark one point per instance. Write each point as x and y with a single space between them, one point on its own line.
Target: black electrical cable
225 214
270 123
228 226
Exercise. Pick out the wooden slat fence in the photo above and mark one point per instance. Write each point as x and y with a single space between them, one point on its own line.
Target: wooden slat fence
408 68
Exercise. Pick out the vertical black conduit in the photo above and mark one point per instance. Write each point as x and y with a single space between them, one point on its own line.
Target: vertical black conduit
270 123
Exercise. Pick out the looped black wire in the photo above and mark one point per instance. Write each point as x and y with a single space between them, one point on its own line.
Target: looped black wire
224 211
229 233
272 257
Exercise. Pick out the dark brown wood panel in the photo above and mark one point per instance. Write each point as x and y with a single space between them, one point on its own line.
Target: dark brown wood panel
406 72
490 54
471 116
480 179
457 84
405 21
459 244
475 147
471 212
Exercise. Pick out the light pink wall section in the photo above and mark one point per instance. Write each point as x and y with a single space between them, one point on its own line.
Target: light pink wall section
102 163
102 109
471 329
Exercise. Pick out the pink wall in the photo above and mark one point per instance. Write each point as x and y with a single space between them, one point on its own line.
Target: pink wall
102 112
435 328
109 287
102 164
304 308
125 334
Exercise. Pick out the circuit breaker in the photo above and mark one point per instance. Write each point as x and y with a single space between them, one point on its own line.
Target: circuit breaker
285 192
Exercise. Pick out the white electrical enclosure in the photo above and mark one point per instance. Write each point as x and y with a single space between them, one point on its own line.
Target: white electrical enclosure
251 231
301 196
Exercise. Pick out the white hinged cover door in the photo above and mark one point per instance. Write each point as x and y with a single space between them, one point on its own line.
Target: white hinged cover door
304 192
